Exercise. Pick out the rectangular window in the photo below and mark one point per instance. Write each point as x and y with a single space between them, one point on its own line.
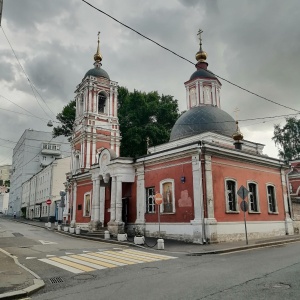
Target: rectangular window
231 196
271 199
253 197
150 205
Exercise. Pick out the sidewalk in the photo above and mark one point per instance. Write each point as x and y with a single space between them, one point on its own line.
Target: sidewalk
17 281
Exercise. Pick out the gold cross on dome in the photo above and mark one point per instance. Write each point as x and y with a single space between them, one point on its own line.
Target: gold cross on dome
199 35
98 35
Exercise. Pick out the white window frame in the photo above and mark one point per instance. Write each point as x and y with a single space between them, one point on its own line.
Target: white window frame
275 199
237 211
105 103
84 204
168 180
257 198
152 200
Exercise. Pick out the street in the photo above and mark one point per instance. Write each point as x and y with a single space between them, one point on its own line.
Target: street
83 269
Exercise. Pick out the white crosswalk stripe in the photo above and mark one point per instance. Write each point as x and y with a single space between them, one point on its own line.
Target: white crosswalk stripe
91 261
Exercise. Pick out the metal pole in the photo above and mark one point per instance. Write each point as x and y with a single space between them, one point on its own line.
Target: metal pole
159 221
245 227
48 212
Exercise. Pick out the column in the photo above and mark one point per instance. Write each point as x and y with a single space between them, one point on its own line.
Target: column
118 200
102 204
97 201
187 97
88 153
213 91
93 199
113 199
140 196
74 203
209 187
197 94
289 229
201 100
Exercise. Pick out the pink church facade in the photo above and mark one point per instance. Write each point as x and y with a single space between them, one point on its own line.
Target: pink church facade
198 172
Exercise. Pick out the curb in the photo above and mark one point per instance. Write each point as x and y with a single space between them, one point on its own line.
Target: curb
38 282
241 248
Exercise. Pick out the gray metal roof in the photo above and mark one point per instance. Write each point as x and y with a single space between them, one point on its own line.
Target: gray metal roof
202 73
97 72
203 119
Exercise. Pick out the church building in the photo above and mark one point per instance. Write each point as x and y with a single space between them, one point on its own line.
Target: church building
200 172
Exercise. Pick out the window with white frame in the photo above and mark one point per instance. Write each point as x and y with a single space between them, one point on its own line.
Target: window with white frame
87 205
101 102
272 205
150 200
253 197
231 198
168 193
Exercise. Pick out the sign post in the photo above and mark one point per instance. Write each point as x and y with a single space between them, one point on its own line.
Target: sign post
158 201
243 193
48 202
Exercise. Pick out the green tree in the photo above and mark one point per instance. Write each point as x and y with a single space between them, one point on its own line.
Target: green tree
66 118
145 118
287 139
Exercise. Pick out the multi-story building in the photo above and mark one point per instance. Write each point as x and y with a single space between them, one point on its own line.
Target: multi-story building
45 185
34 151
4 174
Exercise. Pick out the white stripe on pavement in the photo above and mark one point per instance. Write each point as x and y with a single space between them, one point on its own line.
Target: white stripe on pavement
62 266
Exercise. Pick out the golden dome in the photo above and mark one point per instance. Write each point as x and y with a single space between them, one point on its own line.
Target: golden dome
98 56
201 56
237 136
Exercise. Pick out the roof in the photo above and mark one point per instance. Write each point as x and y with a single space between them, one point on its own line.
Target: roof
97 72
202 119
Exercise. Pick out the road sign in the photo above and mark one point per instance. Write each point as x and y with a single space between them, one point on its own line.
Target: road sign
48 202
243 192
158 198
244 205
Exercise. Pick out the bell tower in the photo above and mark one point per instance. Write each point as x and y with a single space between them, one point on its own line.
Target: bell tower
96 123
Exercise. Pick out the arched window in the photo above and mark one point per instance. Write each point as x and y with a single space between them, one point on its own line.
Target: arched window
101 102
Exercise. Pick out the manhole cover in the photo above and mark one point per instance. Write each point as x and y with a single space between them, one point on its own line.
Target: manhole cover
56 280
281 285
84 277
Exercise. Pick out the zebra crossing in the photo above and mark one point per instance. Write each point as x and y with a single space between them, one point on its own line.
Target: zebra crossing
91 261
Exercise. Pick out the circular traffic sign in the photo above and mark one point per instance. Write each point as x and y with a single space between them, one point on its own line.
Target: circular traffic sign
158 198
48 202
244 205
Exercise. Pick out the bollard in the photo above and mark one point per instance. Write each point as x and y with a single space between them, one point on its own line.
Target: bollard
139 240
77 230
160 244
106 235
122 237
58 227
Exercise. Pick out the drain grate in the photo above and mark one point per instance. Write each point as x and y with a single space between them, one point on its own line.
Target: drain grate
54 280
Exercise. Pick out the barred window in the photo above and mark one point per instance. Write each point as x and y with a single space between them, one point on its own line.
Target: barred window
253 197
231 203
271 199
150 199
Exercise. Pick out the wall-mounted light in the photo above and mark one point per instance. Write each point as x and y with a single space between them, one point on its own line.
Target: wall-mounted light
182 179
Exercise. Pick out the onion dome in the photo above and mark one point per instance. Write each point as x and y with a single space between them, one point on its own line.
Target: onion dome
237 136
202 119
97 71
201 65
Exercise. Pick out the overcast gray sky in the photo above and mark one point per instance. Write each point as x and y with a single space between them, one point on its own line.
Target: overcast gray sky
255 44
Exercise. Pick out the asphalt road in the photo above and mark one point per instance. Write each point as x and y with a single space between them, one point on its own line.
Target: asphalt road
265 273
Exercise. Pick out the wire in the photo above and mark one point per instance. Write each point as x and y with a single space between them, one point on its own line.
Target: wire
29 81
167 49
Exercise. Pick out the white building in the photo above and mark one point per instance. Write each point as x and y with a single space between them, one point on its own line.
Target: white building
34 151
4 174
4 203
43 186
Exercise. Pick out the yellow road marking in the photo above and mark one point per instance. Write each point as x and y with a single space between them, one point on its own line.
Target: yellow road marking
94 261
133 256
72 264
113 258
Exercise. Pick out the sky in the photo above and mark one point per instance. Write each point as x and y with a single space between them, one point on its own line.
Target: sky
253 44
